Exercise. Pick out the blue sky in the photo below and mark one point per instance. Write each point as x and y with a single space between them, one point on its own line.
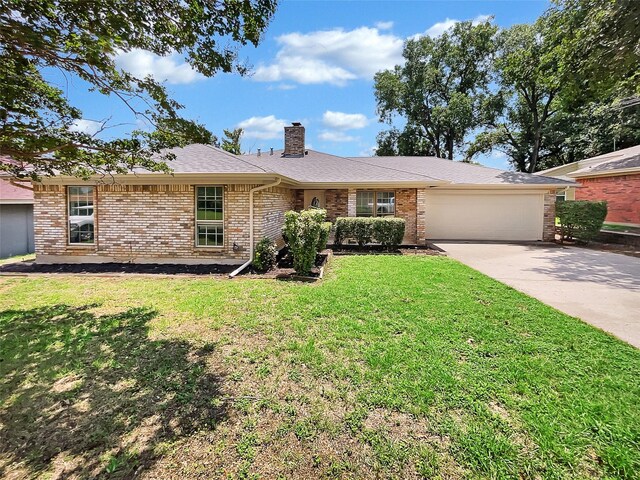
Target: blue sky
314 65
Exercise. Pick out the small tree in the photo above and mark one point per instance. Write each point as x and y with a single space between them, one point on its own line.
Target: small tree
581 219
231 142
303 232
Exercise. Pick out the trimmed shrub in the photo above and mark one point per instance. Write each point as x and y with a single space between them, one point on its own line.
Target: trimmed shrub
357 228
304 231
265 255
324 236
581 219
388 231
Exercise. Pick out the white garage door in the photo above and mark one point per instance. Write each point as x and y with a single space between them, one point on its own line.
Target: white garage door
484 216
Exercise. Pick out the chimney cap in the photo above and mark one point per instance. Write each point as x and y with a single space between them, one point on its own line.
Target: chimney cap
296 124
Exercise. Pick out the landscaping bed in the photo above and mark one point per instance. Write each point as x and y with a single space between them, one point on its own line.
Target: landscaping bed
116 268
352 249
283 269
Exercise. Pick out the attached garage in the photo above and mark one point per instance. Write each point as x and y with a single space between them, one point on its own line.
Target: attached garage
485 215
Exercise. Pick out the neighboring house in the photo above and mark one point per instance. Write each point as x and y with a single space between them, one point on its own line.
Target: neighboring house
216 205
16 219
614 177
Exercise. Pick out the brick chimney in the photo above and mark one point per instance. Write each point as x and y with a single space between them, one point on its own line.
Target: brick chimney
294 140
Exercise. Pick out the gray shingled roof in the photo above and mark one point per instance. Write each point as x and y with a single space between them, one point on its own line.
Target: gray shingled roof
460 172
612 165
198 158
320 168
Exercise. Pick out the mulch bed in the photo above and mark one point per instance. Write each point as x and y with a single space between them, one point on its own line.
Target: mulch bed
116 268
284 268
380 250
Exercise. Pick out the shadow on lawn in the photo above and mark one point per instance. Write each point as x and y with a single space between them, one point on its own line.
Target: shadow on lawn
89 395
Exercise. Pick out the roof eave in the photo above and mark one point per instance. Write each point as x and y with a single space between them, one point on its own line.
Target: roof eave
605 173
172 178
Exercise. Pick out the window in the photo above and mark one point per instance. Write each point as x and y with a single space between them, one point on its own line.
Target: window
561 196
375 204
209 217
81 220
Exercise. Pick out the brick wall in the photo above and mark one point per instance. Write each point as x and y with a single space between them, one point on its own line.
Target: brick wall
147 222
406 208
421 216
269 208
622 194
336 201
549 221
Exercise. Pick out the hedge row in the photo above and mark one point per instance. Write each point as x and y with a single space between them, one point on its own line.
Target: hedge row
388 231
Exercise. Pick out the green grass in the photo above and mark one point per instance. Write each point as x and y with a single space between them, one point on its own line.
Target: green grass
620 228
392 367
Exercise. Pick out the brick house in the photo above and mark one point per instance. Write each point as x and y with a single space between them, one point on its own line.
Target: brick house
614 177
215 205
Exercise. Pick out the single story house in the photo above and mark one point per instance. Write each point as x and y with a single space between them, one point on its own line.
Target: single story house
215 205
16 219
614 177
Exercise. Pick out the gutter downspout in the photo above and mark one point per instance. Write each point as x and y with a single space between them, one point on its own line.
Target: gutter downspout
251 192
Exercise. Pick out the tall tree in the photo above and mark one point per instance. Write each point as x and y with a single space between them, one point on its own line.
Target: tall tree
231 142
597 47
82 38
529 84
439 89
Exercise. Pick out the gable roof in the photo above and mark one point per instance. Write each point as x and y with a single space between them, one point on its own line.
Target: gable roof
621 161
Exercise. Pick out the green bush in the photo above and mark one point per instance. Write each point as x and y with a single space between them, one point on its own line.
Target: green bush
357 228
324 236
265 255
581 219
388 231
304 232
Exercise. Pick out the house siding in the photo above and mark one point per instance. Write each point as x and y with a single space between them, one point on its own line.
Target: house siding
622 194
138 223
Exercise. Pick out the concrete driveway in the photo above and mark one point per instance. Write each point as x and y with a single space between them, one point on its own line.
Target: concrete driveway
601 288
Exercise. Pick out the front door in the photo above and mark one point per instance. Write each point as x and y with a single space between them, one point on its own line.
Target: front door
314 198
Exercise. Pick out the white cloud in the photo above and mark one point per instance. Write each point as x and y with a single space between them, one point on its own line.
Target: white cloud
368 152
439 28
331 136
384 25
339 56
263 128
344 121
281 86
171 69
332 56
90 127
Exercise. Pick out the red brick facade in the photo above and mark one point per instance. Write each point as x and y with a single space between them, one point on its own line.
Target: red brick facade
622 194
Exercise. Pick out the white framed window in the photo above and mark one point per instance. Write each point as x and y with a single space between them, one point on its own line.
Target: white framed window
81 215
209 216
375 204
561 195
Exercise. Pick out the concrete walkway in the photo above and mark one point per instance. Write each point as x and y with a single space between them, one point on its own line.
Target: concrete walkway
601 288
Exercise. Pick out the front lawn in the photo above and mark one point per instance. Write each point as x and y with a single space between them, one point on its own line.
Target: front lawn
407 367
